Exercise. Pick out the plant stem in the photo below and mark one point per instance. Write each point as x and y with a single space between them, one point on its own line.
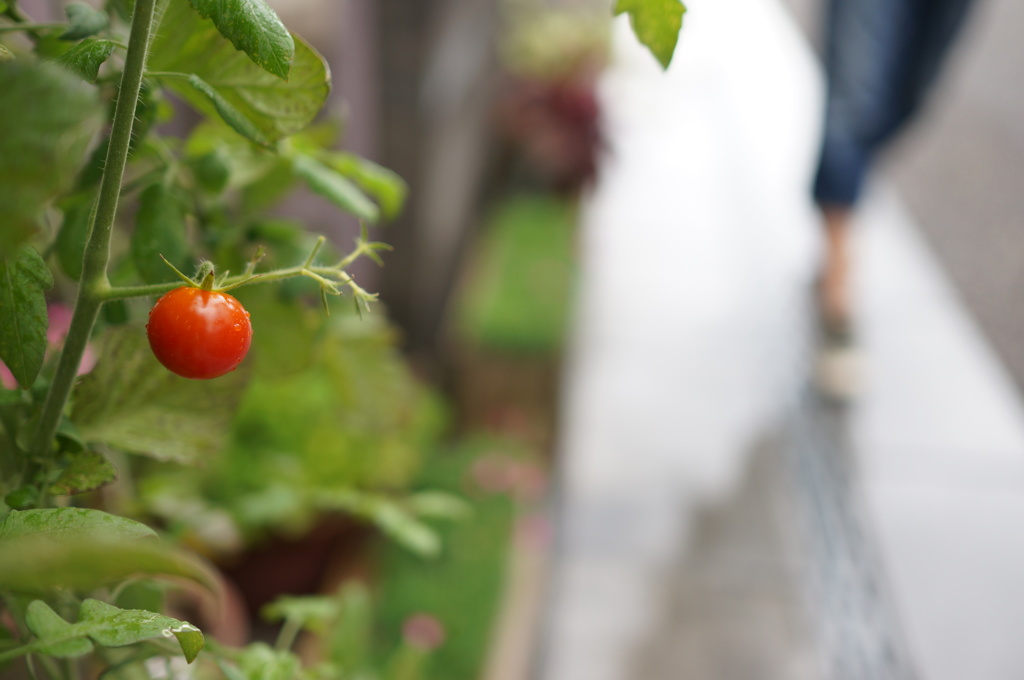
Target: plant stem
94 280
50 664
168 74
10 461
322 275
289 632
71 669
14 653
31 668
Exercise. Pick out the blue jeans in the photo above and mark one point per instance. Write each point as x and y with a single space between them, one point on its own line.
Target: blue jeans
881 58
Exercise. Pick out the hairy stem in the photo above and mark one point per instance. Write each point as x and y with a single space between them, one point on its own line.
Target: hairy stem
323 275
328 276
94 280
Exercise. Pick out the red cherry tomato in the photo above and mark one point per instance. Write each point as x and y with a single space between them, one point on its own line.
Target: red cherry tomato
199 334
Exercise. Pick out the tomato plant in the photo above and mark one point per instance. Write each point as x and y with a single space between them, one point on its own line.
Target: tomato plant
94 191
198 333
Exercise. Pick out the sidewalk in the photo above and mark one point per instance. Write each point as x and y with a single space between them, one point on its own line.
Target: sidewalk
716 520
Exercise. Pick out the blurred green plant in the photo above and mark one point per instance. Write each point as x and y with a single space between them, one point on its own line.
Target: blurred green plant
547 42
96 191
518 297
325 417
331 420
461 588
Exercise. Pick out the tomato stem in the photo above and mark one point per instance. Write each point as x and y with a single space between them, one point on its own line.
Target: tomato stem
329 277
206 276
94 286
316 249
177 272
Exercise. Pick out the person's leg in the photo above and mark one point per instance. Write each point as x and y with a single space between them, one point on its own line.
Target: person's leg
867 56
864 47
937 24
881 58
834 280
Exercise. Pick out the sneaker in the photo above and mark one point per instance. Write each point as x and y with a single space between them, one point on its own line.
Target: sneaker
837 367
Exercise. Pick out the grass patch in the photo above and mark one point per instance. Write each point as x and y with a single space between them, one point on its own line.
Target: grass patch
520 294
462 588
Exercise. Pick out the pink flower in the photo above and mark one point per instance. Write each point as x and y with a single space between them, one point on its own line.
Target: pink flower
7 378
529 482
423 631
533 531
492 473
60 323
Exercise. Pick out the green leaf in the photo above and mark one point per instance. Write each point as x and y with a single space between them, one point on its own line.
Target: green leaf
84 470
122 8
388 515
310 611
330 184
656 24
438 504
47 624
49 118
74 232
185 43
142 594
266 190
85 58
58 524
253 27
238 121
35 565
5 54
111 626
212 170
23 322
160 231
107 625
22 498
84 21
48 46
131 402
259 661
385 185
406 530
